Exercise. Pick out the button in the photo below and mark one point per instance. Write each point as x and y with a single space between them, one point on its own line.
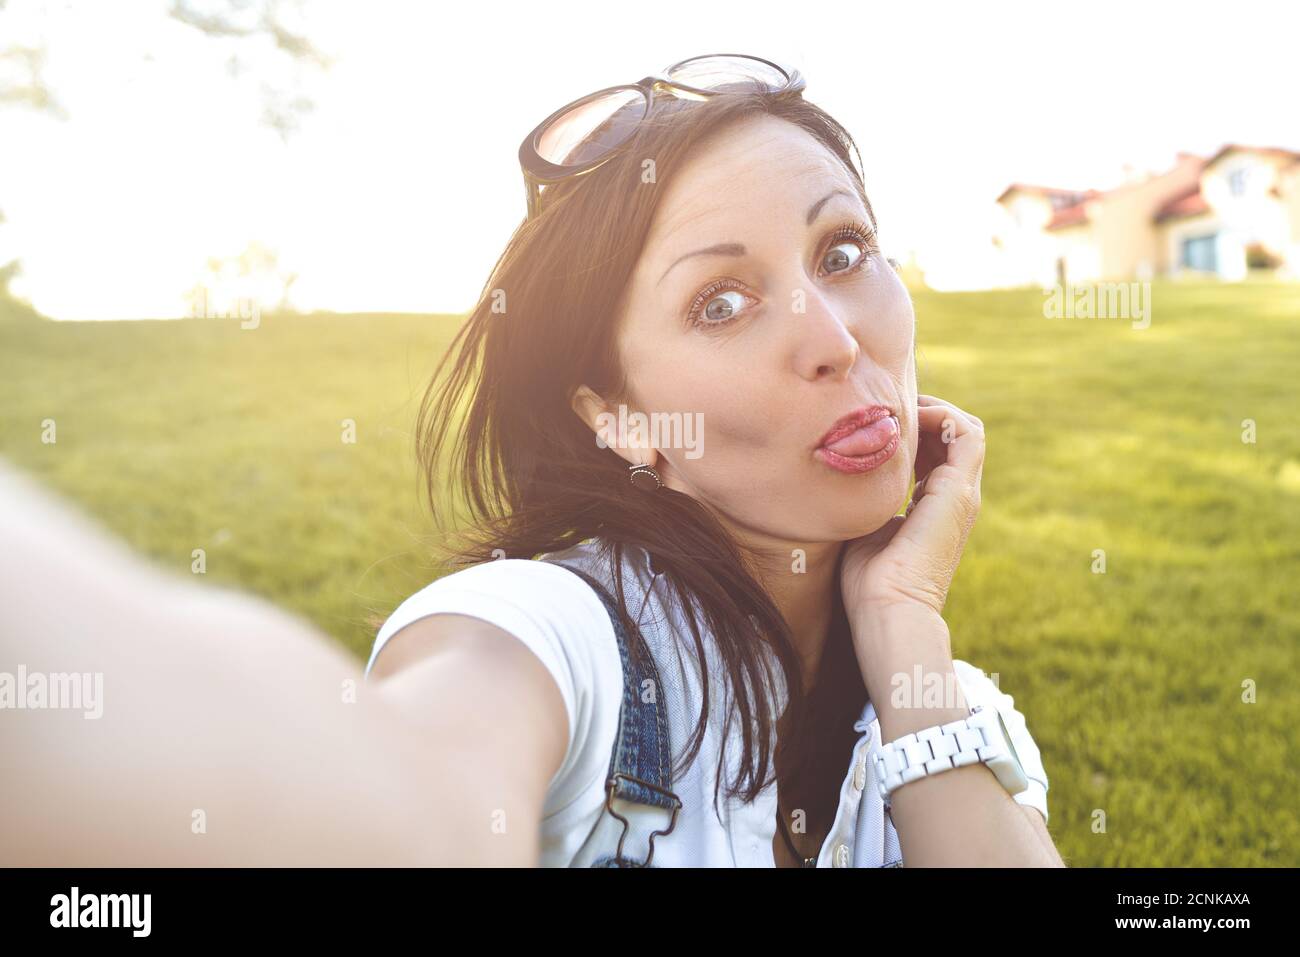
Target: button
840 857
860 773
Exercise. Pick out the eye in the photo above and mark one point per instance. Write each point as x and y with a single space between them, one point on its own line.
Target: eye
841 259
717 303
721 300
852 235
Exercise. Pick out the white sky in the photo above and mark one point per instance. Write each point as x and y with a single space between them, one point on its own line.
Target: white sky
401 187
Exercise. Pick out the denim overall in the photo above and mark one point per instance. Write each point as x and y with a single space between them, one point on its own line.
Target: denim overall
640 766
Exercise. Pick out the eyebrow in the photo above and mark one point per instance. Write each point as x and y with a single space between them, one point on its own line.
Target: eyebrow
738 249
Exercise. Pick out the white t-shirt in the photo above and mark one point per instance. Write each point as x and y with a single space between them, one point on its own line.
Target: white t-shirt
562 620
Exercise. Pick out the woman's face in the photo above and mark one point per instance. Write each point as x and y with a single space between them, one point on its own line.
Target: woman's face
754 315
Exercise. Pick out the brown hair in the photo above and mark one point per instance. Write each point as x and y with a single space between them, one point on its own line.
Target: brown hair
534 480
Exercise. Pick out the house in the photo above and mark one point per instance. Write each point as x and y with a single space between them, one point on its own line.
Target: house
1219 216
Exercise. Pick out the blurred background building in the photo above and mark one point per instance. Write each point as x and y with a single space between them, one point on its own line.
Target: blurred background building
1224 215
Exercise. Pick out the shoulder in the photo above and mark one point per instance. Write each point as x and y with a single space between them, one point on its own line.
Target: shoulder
514 593
979 688
563 622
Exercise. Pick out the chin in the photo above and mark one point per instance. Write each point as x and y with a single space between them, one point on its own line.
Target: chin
885 493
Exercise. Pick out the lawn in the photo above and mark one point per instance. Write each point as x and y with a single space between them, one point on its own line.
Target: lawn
199 434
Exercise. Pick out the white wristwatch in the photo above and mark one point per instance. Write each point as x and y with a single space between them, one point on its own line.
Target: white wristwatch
981 736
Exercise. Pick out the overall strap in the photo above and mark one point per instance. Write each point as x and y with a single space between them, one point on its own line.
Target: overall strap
640 765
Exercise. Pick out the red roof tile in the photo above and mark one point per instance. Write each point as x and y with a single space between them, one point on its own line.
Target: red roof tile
1068 216
1190 202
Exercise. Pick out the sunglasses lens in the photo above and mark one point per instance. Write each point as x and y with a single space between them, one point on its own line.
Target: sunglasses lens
728 72
591 129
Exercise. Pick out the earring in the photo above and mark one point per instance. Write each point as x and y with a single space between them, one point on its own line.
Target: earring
645 477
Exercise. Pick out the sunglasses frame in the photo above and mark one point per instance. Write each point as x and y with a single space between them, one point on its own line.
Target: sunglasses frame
539 172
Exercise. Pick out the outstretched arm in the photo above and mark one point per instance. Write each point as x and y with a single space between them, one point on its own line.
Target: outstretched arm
227 734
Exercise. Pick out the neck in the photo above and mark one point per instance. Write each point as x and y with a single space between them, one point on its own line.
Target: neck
802 579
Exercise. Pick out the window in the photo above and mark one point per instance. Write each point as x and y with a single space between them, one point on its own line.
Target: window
1199 253
1237 181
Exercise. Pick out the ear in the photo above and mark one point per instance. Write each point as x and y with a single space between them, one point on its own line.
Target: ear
604 424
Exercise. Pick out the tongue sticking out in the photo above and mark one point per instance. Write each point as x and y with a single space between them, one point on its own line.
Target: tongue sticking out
866 440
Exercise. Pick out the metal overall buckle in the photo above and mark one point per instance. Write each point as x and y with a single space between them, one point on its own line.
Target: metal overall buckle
612 785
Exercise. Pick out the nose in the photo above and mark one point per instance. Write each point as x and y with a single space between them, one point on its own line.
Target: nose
825 346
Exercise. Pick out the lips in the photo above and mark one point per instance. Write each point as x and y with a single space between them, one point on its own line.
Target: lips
865 415
860 441
867 439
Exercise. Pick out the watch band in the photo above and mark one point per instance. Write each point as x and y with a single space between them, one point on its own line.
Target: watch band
975 738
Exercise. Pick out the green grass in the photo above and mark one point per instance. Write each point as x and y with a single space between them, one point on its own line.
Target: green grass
197 434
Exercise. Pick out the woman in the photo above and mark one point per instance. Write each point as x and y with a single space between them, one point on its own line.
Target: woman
747 619
719 267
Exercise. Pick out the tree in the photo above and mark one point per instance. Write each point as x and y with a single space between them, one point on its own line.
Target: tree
249 28
244 25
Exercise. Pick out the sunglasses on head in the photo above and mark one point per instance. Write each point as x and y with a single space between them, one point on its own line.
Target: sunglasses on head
580 136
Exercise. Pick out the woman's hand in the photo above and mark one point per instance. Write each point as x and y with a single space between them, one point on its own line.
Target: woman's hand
910 562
